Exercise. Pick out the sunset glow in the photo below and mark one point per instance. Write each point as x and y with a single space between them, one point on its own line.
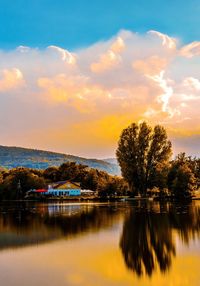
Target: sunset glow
89 95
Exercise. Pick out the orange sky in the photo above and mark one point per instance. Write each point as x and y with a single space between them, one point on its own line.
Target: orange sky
78 102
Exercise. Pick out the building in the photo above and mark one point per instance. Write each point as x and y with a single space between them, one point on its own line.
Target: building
63 188
58 189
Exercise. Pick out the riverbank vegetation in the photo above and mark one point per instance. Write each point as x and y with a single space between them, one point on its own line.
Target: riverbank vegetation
144 155
16 182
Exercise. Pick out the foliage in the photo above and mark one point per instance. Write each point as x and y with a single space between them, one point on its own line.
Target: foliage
181 179
51 174
143 155
16 182
143 151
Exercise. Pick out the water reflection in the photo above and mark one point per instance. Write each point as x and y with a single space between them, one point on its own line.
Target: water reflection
148 230
147 240
33 224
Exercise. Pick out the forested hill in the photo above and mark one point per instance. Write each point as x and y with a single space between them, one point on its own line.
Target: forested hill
11 157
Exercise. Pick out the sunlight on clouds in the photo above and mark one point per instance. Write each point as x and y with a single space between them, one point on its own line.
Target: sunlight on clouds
72 91
150 66
106 62
164 98
91 94
192 83
110 59
166 40
191 50
10 79
65 55
118 46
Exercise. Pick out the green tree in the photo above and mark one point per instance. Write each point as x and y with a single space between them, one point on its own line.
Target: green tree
90 180
71 171
19 181
51 174
181 179
140 150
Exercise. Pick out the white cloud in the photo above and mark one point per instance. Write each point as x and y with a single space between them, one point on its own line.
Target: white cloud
10 79
191 50
65 55
193 83
167 41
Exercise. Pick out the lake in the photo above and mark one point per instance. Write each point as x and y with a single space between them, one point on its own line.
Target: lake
122 243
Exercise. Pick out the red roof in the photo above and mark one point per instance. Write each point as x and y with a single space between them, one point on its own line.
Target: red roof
41 191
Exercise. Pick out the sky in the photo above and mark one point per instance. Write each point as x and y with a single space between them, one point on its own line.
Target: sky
73 74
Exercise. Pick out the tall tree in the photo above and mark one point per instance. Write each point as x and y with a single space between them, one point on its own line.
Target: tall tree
140 150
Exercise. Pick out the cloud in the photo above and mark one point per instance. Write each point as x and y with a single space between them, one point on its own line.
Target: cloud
150 66
167 41
79 101
65 55
191 50
10 79
110 59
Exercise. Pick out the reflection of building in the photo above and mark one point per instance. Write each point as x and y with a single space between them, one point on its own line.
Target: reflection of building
66 209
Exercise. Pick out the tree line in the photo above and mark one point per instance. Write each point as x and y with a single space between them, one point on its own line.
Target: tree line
16 182
144 155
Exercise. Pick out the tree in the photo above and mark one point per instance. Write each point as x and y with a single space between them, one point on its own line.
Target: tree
90 180
19 181
140 150
51 174
181 179
71 171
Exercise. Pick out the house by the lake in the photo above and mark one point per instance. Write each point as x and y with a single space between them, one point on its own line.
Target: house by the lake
58 189
64 188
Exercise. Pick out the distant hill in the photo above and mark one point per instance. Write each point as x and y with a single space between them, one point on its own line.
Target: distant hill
11 157
111 160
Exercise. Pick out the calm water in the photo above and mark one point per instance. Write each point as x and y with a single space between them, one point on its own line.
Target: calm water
100 244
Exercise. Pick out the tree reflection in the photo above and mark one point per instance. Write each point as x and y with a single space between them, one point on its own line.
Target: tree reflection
147 237
25 225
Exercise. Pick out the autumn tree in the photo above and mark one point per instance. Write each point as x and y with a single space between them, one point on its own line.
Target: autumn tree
71 171
181 179
90 180
51 174
141 150
19 181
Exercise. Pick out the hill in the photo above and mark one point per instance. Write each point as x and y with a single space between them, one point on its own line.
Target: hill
11 157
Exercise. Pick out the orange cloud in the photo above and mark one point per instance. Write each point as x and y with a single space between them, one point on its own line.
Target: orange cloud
11 79
150 66
110 59
90 95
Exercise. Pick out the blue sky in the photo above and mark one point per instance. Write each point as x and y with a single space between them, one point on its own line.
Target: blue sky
79 23
90 68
